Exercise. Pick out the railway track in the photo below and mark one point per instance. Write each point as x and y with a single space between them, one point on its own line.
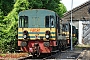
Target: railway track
44 57
52 56
82 54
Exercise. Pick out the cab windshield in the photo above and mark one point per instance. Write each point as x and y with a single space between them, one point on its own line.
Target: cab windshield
49 21
23 21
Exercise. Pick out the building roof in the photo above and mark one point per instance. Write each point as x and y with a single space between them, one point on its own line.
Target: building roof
77 8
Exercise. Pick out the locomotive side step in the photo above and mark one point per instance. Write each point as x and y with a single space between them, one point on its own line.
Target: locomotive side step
18 51
55 51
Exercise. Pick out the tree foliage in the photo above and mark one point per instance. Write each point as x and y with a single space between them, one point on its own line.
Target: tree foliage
61 9
10 25
54 5
6 6
9 18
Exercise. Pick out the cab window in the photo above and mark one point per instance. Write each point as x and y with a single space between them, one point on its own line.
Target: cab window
23 21
49 21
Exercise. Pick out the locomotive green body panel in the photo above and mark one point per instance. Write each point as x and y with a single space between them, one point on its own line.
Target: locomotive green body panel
36 17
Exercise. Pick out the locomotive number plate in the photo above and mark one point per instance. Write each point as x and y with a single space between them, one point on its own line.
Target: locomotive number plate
34 30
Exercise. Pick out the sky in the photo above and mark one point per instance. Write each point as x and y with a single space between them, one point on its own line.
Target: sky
76 3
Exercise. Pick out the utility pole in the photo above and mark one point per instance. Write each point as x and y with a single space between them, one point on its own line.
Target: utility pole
71 24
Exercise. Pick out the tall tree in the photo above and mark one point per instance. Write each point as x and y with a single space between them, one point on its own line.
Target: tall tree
10 24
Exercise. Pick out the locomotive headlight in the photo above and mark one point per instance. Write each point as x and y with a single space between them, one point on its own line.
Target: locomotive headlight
25 36
47 36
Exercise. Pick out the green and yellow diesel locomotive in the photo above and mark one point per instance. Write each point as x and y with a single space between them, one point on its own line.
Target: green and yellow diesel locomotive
66 31
40 31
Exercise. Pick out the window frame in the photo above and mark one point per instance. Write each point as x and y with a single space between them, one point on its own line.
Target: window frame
48 21
22 20
47 18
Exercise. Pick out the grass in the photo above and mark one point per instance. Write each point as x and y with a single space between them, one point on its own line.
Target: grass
82 47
